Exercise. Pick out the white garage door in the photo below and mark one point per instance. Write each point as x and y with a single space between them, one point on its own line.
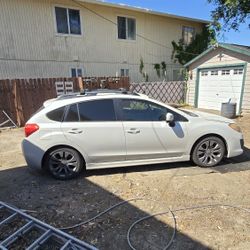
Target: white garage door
219 85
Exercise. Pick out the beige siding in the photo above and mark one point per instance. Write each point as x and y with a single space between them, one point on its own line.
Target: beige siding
246 96
30 47
215 58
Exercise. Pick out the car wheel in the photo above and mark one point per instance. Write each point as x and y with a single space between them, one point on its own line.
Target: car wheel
208 152
64 163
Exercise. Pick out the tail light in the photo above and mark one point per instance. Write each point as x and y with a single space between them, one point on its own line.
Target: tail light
30 129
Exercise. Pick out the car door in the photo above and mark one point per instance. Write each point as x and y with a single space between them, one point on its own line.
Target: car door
93 126
147 134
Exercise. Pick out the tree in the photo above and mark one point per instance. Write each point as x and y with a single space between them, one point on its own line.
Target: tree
185 53
231 12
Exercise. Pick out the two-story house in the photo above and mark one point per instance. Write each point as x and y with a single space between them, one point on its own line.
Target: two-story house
64 38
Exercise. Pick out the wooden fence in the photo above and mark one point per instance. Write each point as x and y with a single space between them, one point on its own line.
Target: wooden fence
20 98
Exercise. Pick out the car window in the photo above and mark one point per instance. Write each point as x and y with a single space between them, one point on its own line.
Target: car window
98 110
56 115
139 110
72 114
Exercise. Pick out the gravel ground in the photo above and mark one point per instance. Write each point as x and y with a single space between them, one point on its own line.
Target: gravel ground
177 185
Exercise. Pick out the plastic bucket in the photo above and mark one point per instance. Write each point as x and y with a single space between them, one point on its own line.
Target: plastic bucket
228 109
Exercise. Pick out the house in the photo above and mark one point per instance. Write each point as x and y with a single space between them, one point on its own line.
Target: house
220 74
64 38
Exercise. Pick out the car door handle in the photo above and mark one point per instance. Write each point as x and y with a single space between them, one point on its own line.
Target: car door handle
133 131
75 131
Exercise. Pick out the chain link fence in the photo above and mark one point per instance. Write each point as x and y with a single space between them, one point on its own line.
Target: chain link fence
167 92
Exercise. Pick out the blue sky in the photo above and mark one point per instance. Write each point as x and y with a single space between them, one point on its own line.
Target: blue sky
191 8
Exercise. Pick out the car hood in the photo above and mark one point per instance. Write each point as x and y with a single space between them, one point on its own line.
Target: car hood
212 117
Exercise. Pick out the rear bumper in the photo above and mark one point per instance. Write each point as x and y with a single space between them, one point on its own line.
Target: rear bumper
32 154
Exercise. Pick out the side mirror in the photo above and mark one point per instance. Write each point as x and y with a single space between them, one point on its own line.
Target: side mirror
169 118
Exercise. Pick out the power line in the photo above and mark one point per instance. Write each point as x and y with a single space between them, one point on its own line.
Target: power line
137 34
72 61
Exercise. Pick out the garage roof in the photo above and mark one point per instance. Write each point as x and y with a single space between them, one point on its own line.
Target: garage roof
242 49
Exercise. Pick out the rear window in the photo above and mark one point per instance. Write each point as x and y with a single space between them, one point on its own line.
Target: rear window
72 114
56 115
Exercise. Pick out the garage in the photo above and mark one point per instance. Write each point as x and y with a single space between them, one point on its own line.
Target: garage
218 85
220 74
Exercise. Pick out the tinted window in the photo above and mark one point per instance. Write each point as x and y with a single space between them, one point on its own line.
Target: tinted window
137 110
68 21
72 114
74 22
56 115
126 28
100 110
61 20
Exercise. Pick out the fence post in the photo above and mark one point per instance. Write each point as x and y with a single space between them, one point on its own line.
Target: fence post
18 103
80 83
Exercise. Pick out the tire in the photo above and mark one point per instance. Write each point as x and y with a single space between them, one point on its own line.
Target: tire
64 163
208 152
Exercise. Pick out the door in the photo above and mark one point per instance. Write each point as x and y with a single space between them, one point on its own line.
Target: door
93 126
147 134
219 85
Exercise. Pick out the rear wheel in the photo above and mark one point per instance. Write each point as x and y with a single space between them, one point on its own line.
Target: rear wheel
64 163
208 152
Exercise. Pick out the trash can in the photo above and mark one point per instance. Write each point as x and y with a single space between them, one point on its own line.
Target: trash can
228 109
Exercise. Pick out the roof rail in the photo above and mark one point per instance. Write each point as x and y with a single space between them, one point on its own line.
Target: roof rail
105 91
94 92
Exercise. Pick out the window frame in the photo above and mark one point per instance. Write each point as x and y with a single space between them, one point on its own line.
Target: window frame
125 71
204 72
238 71
225 71
120 115
79 119
117 31
214 72
76 68
55 22
183 31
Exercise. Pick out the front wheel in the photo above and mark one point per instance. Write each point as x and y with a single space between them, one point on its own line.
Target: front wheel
64 163
208 152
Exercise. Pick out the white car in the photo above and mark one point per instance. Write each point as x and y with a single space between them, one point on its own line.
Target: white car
105 129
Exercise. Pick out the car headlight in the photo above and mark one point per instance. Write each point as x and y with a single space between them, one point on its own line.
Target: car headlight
235 127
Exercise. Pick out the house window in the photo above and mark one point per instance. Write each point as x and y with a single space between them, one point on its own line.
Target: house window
225 72
238 71
76 72
124 72
68 21
204 73
214 72
188 34
126 28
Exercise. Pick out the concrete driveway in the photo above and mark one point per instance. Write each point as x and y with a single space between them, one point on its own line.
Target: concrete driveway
178 185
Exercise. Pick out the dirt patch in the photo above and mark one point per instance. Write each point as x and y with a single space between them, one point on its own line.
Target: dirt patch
176 185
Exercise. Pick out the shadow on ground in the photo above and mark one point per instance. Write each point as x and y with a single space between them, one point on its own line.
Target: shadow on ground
65 203
236 164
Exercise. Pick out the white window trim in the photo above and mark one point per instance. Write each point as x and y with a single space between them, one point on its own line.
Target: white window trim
55 24
186 26
76 67
237 70
117 35
126 70
225 70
